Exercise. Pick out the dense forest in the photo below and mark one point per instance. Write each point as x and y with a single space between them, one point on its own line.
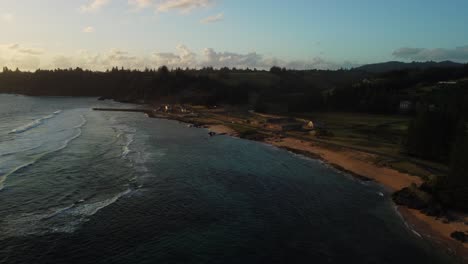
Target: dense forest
436 98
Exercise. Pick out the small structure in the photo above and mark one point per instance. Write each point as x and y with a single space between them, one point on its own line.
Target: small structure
309 125
167 108
405 105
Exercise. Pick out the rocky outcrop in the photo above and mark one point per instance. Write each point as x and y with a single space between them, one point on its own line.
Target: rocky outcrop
460 236
413 197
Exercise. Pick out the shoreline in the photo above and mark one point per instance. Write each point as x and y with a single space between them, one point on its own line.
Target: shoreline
222 130
361 165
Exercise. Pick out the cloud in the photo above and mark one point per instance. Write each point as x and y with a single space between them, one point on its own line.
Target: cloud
16 56
7 17
231 59
184 6
31 51
62 62
94 6
26 58
140 4
16 48
213 19
25 62
255 60
183 58
439 54
88 29
13 46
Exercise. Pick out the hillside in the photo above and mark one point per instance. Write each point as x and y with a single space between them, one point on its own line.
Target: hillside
397 65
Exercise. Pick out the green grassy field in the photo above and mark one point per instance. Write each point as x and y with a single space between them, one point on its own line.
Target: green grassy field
378 134
382 133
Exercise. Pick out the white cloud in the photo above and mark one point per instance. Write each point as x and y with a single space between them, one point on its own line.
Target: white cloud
183 58
88 29
13 46
140 4
17 56
25 62
31 51
28 58
439 54
184 6
16 48
213 19
231 59
94 6
62 62
7 17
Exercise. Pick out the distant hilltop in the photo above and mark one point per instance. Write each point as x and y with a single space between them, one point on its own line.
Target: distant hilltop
398 65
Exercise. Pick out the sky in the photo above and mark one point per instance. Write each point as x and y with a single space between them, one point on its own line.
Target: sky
300 34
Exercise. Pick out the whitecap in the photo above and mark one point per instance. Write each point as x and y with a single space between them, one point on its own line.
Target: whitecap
55 220
92 208
416 233
83 122
34 123
126 148
16 169
65 143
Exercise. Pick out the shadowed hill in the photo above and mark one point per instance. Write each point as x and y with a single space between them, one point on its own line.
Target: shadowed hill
397 65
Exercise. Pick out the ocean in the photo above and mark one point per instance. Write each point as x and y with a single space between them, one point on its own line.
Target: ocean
82 186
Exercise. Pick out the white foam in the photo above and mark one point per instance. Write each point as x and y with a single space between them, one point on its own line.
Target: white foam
416 233
34 123
66 142
5 176
38 157
56 220
126 148
92 208
83 122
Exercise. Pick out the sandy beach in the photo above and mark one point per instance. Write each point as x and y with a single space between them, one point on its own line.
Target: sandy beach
359 163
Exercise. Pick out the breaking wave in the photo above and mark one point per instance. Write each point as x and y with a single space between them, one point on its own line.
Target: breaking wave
57 220
34 123
64 144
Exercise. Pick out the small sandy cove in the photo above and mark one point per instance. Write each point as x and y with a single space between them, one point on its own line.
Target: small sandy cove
362 164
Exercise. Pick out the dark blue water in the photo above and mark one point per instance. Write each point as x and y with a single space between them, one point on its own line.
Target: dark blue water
79 186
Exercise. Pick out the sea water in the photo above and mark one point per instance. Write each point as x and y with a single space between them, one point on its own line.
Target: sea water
82 186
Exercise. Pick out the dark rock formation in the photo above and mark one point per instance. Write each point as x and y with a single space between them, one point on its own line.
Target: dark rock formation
460 236
414 198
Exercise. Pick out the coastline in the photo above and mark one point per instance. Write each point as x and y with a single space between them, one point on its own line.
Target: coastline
222 130
362 166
